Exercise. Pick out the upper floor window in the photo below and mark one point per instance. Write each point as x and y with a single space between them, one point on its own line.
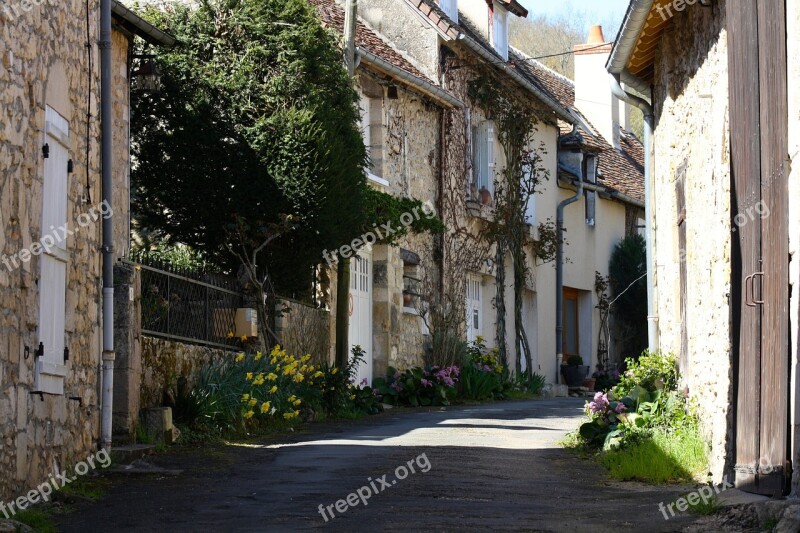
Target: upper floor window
500 31
372 127
450 7
483 160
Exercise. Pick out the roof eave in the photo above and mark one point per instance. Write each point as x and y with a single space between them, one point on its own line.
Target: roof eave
624 46
138 26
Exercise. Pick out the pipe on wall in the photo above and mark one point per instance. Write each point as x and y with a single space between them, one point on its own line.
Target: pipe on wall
106 154
649 123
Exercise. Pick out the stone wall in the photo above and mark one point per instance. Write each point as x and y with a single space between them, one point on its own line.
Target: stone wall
303 329
44 61
692 140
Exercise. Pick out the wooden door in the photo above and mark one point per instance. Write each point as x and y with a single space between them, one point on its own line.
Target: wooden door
361 311
759 147
571 332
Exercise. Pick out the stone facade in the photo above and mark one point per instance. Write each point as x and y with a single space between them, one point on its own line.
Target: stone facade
693 160
44 63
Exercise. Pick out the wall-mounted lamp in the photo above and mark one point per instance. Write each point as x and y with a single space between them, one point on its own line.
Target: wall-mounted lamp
147 76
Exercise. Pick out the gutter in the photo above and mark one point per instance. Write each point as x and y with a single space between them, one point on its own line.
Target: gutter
560 274
476 47
649 187
106 155
604 191
424 86
632 26
145 30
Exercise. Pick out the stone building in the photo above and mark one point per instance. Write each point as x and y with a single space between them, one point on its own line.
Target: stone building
454 42
401 119
50 277
725 219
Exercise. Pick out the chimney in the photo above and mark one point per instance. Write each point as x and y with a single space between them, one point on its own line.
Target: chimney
593 95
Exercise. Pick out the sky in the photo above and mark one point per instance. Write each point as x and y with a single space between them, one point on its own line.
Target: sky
600 10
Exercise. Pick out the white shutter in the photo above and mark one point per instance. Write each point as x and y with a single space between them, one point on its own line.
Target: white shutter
450 7
501 31
51 369
490 164
474 307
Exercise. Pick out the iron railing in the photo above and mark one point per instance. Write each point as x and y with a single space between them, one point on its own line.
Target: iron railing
189 306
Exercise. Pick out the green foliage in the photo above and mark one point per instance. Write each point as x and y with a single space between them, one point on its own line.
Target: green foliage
575 360
385 208
483 376
418 386
651 371
37 519
668 456
531 383
629 264
256 118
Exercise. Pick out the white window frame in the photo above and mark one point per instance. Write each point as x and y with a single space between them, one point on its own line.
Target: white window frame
370 107
500 30
483 156
450 8
50 368
474 306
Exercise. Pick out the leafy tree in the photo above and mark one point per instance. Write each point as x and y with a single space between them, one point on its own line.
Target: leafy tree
627 270
256 119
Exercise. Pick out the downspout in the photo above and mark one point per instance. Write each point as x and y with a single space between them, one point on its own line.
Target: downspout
108 226
560 274
649 123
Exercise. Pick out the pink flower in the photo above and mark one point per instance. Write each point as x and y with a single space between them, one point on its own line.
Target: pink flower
620 408
426 383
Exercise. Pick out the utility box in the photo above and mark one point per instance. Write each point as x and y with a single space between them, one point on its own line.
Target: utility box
242 322
246 322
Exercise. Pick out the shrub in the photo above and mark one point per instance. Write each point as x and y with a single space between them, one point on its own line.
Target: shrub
652 371
575 360
419 386
483 376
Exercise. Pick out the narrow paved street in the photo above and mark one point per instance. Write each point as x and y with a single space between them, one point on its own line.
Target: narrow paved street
493 467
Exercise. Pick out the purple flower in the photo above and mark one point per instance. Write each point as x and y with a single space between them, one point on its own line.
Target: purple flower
600 403
487 368
363 382
397 375
620 408
449 381
426 383
398 387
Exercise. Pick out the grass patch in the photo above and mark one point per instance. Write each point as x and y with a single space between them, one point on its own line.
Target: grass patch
37 519
668 457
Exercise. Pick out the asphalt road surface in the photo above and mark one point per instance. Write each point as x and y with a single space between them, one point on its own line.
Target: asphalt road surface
493 467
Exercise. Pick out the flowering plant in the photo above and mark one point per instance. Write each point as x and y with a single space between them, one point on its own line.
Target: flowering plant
419 386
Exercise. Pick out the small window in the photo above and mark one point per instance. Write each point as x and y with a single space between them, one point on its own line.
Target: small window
500 31
590 174
450 7
372 129
483 163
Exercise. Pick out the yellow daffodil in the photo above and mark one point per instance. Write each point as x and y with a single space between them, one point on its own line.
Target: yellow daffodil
265 407
249 414
271 377
274 389
230 334
292 398
305 358
245 397
299 378
240 358
319 374
249 376
259 355
273 360
352 396
252 402
243 338
335 371
297 402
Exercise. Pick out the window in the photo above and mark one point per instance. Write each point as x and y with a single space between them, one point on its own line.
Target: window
500 31
50 367
372 128
590 174
450 7
474 307
483 156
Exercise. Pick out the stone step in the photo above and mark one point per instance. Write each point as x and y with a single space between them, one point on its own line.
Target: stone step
128 453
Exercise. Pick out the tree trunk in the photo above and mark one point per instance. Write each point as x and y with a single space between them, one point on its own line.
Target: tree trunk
500 303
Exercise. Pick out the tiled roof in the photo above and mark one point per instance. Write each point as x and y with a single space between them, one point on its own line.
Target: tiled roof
621 170
333 16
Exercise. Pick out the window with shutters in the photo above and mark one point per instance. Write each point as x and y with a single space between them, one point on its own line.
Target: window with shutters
500 31
483 158
450 7
590 172
372 127
54 261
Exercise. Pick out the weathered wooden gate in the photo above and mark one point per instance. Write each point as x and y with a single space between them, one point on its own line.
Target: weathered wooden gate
759 148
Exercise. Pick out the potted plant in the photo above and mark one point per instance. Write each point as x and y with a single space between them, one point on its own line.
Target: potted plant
574 371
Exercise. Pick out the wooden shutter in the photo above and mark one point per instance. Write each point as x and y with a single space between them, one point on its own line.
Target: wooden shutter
490 154
51 369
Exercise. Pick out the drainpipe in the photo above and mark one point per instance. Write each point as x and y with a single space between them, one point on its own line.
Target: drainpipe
560 274
649 123
108 227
